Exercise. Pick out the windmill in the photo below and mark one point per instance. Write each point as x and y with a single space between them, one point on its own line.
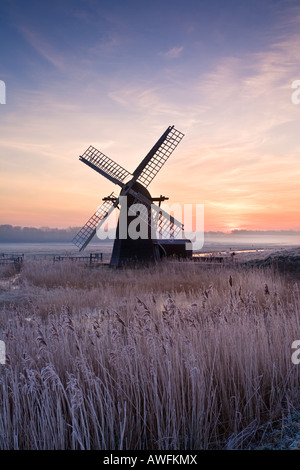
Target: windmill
139 207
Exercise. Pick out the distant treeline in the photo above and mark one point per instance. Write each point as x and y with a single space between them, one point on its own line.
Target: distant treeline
16 234
10 234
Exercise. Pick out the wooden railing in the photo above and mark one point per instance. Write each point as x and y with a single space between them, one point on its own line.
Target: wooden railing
7 258
92 258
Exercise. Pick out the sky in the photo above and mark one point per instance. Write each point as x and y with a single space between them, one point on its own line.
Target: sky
115 74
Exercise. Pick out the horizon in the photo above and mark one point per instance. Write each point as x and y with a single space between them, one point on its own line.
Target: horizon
115 76
25 232
75 227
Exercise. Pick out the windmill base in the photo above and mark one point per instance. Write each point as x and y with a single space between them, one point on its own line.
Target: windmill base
145 252
175 248
140 252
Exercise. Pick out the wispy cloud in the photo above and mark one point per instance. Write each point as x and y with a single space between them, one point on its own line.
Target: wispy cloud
240 154
173 53
44 48
147 100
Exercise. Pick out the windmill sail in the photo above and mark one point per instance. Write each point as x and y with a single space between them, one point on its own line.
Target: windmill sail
88 231
163 230
157 156
105 166
163 224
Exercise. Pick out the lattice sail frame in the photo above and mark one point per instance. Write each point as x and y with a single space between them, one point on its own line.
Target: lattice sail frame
105 165
163 225
87 232
160 157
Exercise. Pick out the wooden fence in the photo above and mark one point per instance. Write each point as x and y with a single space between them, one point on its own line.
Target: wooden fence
92 258
8 258
17 258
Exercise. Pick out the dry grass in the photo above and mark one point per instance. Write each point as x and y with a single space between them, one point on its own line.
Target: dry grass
7 270
175 357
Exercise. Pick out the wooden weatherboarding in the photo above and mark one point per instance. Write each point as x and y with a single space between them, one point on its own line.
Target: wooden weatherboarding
134 187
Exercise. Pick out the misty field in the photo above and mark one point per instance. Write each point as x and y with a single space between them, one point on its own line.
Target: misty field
173 357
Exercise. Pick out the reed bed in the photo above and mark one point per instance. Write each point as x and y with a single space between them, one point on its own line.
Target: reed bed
172 357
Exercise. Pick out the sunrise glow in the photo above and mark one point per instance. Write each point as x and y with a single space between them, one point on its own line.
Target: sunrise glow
116 74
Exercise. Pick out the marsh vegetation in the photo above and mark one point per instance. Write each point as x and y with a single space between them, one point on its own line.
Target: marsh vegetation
177 356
